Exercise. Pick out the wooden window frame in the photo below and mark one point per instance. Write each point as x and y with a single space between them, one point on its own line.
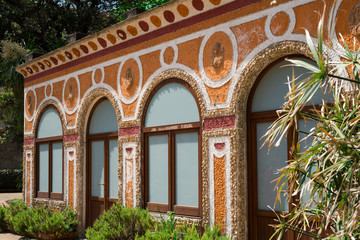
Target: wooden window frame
171 131
49 141
252 119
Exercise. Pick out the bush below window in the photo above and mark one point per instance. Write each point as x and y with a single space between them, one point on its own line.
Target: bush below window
38 222
167 229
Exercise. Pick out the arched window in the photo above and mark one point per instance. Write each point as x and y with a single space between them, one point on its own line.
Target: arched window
267 96
103 162
50 167
172 155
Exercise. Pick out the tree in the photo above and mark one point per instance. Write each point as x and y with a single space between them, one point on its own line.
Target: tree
42 26
125 5
328 170
11 98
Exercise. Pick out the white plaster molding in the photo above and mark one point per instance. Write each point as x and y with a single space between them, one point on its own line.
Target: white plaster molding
225 151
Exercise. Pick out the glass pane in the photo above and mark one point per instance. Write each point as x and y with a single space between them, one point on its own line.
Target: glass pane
171 104
50 124
186 169
113 169
103 119
267 165
272 88
57 168
306 126
97 169
158 169
44 168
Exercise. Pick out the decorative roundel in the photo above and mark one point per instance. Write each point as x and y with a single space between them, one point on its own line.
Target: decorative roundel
48 90
71 93
98 76
129 80
169 55
279 23
30 104
217 56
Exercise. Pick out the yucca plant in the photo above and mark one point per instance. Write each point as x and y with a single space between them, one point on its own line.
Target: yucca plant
328 171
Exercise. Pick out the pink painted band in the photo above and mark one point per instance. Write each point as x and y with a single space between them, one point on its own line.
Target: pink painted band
219 122
71 138
28 142
129 131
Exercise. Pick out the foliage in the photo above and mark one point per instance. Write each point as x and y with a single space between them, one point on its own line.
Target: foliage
328 171
2 218
126 5
167 229
38 221
11 98
120 223
11 178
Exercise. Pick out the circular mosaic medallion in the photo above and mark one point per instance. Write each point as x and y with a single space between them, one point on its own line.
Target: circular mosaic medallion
217 56
30 103
71 93
129 78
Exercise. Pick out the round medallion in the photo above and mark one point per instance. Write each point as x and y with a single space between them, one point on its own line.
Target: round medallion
30 103
279 23
98 76
71 93
354 20
217 56
169 55
129 78
48 90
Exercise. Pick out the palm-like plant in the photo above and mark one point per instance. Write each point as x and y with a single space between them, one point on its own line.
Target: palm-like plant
328 171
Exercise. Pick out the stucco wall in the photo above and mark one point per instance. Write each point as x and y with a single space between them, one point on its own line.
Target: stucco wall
219 47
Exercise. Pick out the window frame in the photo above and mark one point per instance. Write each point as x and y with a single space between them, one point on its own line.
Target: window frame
49 141
106 137
171 131
253 118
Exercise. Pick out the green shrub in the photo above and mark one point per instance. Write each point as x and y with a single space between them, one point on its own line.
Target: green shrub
167 229
2 218
38 221
120 223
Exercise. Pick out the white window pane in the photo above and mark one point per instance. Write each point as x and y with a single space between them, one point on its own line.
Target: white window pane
272 88
267 166
97 169
113 169
306 126
158 169
186 169
44 168
49 125
103 119
171 104
57 168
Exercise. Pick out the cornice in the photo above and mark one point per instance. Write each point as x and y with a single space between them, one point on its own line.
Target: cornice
153 23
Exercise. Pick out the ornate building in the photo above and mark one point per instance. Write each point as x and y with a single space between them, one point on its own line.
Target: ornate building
165 110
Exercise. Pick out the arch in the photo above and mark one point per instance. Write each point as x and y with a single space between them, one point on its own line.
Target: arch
239 103
49 124
103 118
42 108
165 76
49 162
173 103
82 123
169 183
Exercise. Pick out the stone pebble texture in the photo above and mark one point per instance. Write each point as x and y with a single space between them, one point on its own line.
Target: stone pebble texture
219 47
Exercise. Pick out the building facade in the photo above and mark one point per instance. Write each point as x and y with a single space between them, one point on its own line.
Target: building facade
165 110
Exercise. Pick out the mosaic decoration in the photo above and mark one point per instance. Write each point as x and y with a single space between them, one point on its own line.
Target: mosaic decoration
129 158
219 182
